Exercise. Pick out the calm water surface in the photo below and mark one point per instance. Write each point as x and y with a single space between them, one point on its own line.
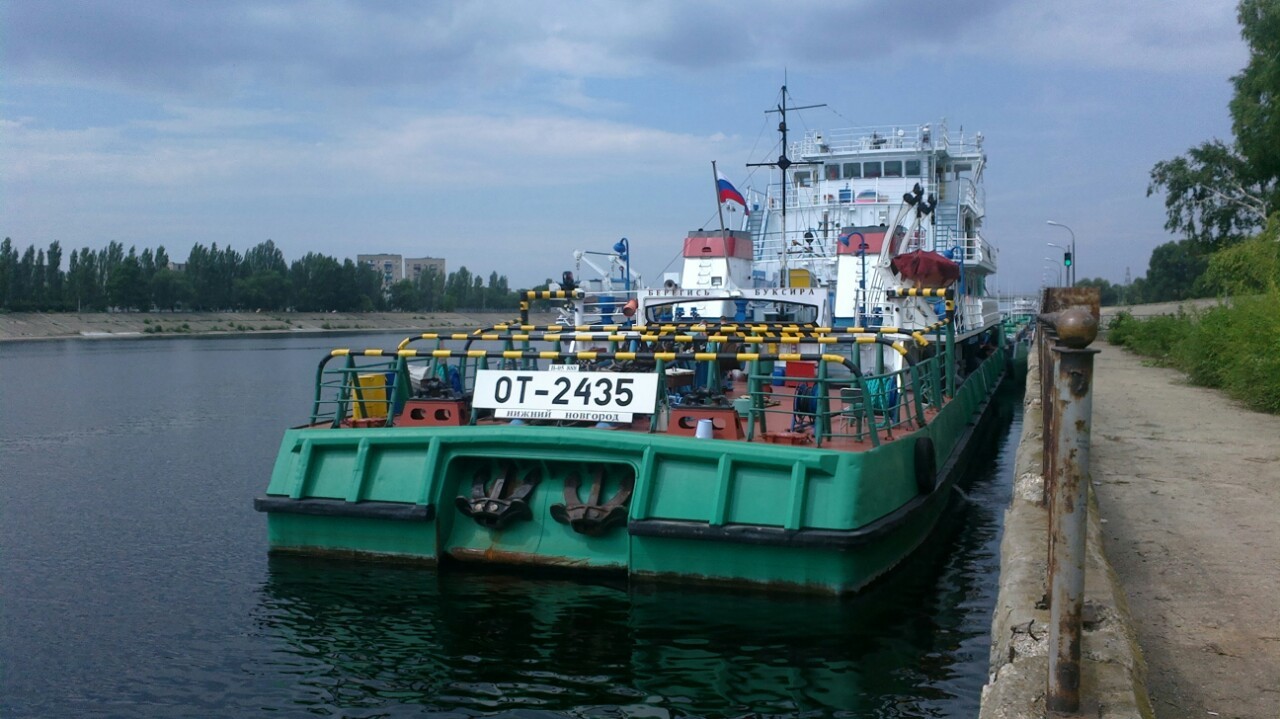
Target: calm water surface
135 581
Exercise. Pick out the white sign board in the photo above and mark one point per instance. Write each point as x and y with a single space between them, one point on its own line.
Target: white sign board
587 396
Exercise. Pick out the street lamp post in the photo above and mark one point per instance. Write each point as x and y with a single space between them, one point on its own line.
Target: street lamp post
1071 272
623 248
1056 268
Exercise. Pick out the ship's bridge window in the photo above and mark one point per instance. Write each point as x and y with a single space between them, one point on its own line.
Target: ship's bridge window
913 168
870 169
852 170
832 172
893 168
801 178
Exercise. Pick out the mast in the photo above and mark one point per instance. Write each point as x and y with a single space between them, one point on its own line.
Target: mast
782 163
715 182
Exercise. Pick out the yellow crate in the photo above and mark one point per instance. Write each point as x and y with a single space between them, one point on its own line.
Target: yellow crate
370 396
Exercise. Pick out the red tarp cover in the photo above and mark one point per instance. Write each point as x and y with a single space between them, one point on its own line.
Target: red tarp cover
926 269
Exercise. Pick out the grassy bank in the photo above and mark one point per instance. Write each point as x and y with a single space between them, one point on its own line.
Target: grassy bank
1235 348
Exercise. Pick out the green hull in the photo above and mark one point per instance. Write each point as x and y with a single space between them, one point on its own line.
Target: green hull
718 511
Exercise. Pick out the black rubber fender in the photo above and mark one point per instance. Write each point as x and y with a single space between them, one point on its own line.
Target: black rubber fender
926 465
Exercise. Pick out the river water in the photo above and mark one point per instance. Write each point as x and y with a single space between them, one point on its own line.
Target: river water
135 579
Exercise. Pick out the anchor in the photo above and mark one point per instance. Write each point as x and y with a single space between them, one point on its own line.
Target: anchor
592 518
503 502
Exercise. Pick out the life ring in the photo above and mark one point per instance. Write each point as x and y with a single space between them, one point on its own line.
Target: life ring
926 466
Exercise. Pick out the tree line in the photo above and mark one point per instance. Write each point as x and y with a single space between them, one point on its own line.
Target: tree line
216 279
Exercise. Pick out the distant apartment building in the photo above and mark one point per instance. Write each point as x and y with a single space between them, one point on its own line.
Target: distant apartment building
391 267
414 266
394 268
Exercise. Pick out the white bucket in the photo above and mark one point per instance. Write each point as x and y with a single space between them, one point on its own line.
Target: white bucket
705 429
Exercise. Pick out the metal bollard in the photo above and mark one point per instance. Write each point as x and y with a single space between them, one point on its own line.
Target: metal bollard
1069 503
1048 338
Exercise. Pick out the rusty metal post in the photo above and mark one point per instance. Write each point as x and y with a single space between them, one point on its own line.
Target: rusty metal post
1073 411
1048 372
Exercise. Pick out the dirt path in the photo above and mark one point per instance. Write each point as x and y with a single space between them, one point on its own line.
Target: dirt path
1189 488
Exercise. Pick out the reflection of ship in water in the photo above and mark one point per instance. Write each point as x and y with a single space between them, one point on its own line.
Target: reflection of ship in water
377 637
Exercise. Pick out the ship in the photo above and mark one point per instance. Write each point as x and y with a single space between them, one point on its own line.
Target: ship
788 412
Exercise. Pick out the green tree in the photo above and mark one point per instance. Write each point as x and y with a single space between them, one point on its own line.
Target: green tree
39 289
23 287
170 290
8 269
431 289
125 289
1173 271
268 290
1220 192
457 289
315 278
265 257
1108 293
1251 267
1210 196
84 289
1255 107
54 278
405 296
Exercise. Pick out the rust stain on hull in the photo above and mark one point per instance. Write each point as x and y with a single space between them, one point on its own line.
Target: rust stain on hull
520 559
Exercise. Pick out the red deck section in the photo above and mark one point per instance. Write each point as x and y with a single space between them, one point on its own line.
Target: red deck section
717 245
874 237
778 424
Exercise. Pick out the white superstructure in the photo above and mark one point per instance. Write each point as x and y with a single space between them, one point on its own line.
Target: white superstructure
823 219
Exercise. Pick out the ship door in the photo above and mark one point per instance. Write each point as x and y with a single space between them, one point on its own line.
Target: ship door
800 278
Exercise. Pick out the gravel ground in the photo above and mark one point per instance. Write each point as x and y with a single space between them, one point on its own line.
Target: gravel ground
1188 483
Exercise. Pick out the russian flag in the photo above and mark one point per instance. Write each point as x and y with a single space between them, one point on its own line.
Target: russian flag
729 193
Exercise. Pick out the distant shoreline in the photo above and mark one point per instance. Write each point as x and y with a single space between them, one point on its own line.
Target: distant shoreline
33 326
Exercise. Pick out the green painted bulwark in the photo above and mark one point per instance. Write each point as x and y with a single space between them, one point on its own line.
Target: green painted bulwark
723 511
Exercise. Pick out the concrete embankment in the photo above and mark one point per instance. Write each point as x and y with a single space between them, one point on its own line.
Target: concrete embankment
1113 673
55 325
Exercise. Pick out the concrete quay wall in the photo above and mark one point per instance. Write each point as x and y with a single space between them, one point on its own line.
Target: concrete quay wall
19 326
1113 673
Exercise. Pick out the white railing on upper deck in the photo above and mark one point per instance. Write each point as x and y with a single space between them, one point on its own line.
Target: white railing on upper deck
973 196
823 193
977 313
929 136
977 251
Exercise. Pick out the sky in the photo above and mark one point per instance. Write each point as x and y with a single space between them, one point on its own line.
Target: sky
502 135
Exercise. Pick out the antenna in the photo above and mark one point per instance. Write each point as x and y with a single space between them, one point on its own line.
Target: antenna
783 163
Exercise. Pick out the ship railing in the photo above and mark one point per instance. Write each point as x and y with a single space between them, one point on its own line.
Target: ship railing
860 407
859 139
371 387
584 306
361 391
843 192
934 135
969 249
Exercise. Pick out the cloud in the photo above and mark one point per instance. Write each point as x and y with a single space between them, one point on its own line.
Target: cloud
1155 36
207 48
315 47
196 148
